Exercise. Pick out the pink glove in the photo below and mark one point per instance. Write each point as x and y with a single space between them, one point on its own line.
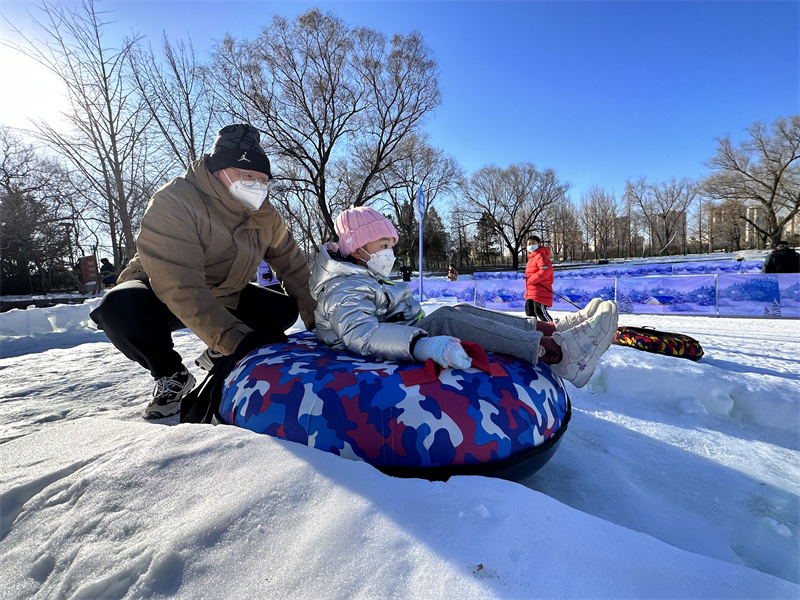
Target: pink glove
443 350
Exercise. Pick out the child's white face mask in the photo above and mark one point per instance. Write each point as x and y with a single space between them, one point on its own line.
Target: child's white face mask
532 247
381 262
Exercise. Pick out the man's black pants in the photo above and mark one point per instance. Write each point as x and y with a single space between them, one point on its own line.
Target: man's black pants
140 325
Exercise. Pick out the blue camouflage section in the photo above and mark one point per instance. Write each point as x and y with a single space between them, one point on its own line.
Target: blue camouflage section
360 408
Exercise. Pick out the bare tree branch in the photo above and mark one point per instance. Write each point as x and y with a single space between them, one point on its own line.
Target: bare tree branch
333 103
764 170
107 124
512 201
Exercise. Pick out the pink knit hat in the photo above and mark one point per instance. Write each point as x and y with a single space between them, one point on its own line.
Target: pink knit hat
358 226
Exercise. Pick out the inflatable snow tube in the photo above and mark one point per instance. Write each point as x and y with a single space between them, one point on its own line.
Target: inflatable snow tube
659 342
399 417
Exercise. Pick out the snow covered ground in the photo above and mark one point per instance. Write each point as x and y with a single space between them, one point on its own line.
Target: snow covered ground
674 480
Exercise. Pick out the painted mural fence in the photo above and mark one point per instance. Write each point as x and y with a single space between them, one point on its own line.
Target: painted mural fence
721 294
710 267
438 290
776 295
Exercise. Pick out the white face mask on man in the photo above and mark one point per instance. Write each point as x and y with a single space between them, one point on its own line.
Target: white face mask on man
532 247
251 197
381 262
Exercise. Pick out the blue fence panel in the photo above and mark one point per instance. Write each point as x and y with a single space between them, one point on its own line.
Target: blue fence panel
725 294
632 271
436 289
580 291
656 269
768 295
609 271
500 294
723 266
689 295
690 268
751 266
789 284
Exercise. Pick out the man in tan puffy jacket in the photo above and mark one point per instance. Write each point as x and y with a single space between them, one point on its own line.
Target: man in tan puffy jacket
202 238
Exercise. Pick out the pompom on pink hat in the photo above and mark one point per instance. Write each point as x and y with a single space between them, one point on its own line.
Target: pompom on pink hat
359 226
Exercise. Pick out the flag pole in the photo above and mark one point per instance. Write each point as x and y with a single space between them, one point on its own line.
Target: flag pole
420 215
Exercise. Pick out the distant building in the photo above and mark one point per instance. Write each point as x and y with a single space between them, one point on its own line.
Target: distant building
566 245
675 221
757 215
791 232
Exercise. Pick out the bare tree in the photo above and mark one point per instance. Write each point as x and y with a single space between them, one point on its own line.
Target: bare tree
461 232
36 217
598 215
698 230
513 200
334 101
664 207
561 230
300 211
106 143
177 97
763 170
419 166
728 226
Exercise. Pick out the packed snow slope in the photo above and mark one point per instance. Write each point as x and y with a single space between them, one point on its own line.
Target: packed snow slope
675 479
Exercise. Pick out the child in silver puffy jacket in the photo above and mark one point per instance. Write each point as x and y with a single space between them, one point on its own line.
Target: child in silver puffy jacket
361 310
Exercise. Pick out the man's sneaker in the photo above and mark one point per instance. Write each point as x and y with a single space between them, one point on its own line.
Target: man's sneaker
575 319
168 394
208 359
584 344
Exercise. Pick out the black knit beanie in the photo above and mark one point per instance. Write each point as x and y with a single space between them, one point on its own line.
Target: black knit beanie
238 146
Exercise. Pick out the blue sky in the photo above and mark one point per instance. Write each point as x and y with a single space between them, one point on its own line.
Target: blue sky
599 91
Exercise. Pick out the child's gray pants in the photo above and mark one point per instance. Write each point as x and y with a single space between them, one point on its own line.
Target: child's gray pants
494 331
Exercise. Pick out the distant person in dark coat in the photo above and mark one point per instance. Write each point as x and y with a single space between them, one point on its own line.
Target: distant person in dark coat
406 271
107 272
782 260
452 274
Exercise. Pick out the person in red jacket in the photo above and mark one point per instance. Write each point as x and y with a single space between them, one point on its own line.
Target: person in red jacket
538 280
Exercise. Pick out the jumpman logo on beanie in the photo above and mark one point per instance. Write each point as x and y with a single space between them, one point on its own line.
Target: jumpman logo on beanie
236 144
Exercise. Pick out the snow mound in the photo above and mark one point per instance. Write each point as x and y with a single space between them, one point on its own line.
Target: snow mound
135 510
697 388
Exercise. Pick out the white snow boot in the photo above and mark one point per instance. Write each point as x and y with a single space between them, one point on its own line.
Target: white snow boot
584 344
575 319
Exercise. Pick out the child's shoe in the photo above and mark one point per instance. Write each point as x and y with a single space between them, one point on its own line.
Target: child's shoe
575 319
584 344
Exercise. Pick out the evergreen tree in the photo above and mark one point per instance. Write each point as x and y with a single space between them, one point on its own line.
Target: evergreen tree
624 303
486 240
407 248
434 239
